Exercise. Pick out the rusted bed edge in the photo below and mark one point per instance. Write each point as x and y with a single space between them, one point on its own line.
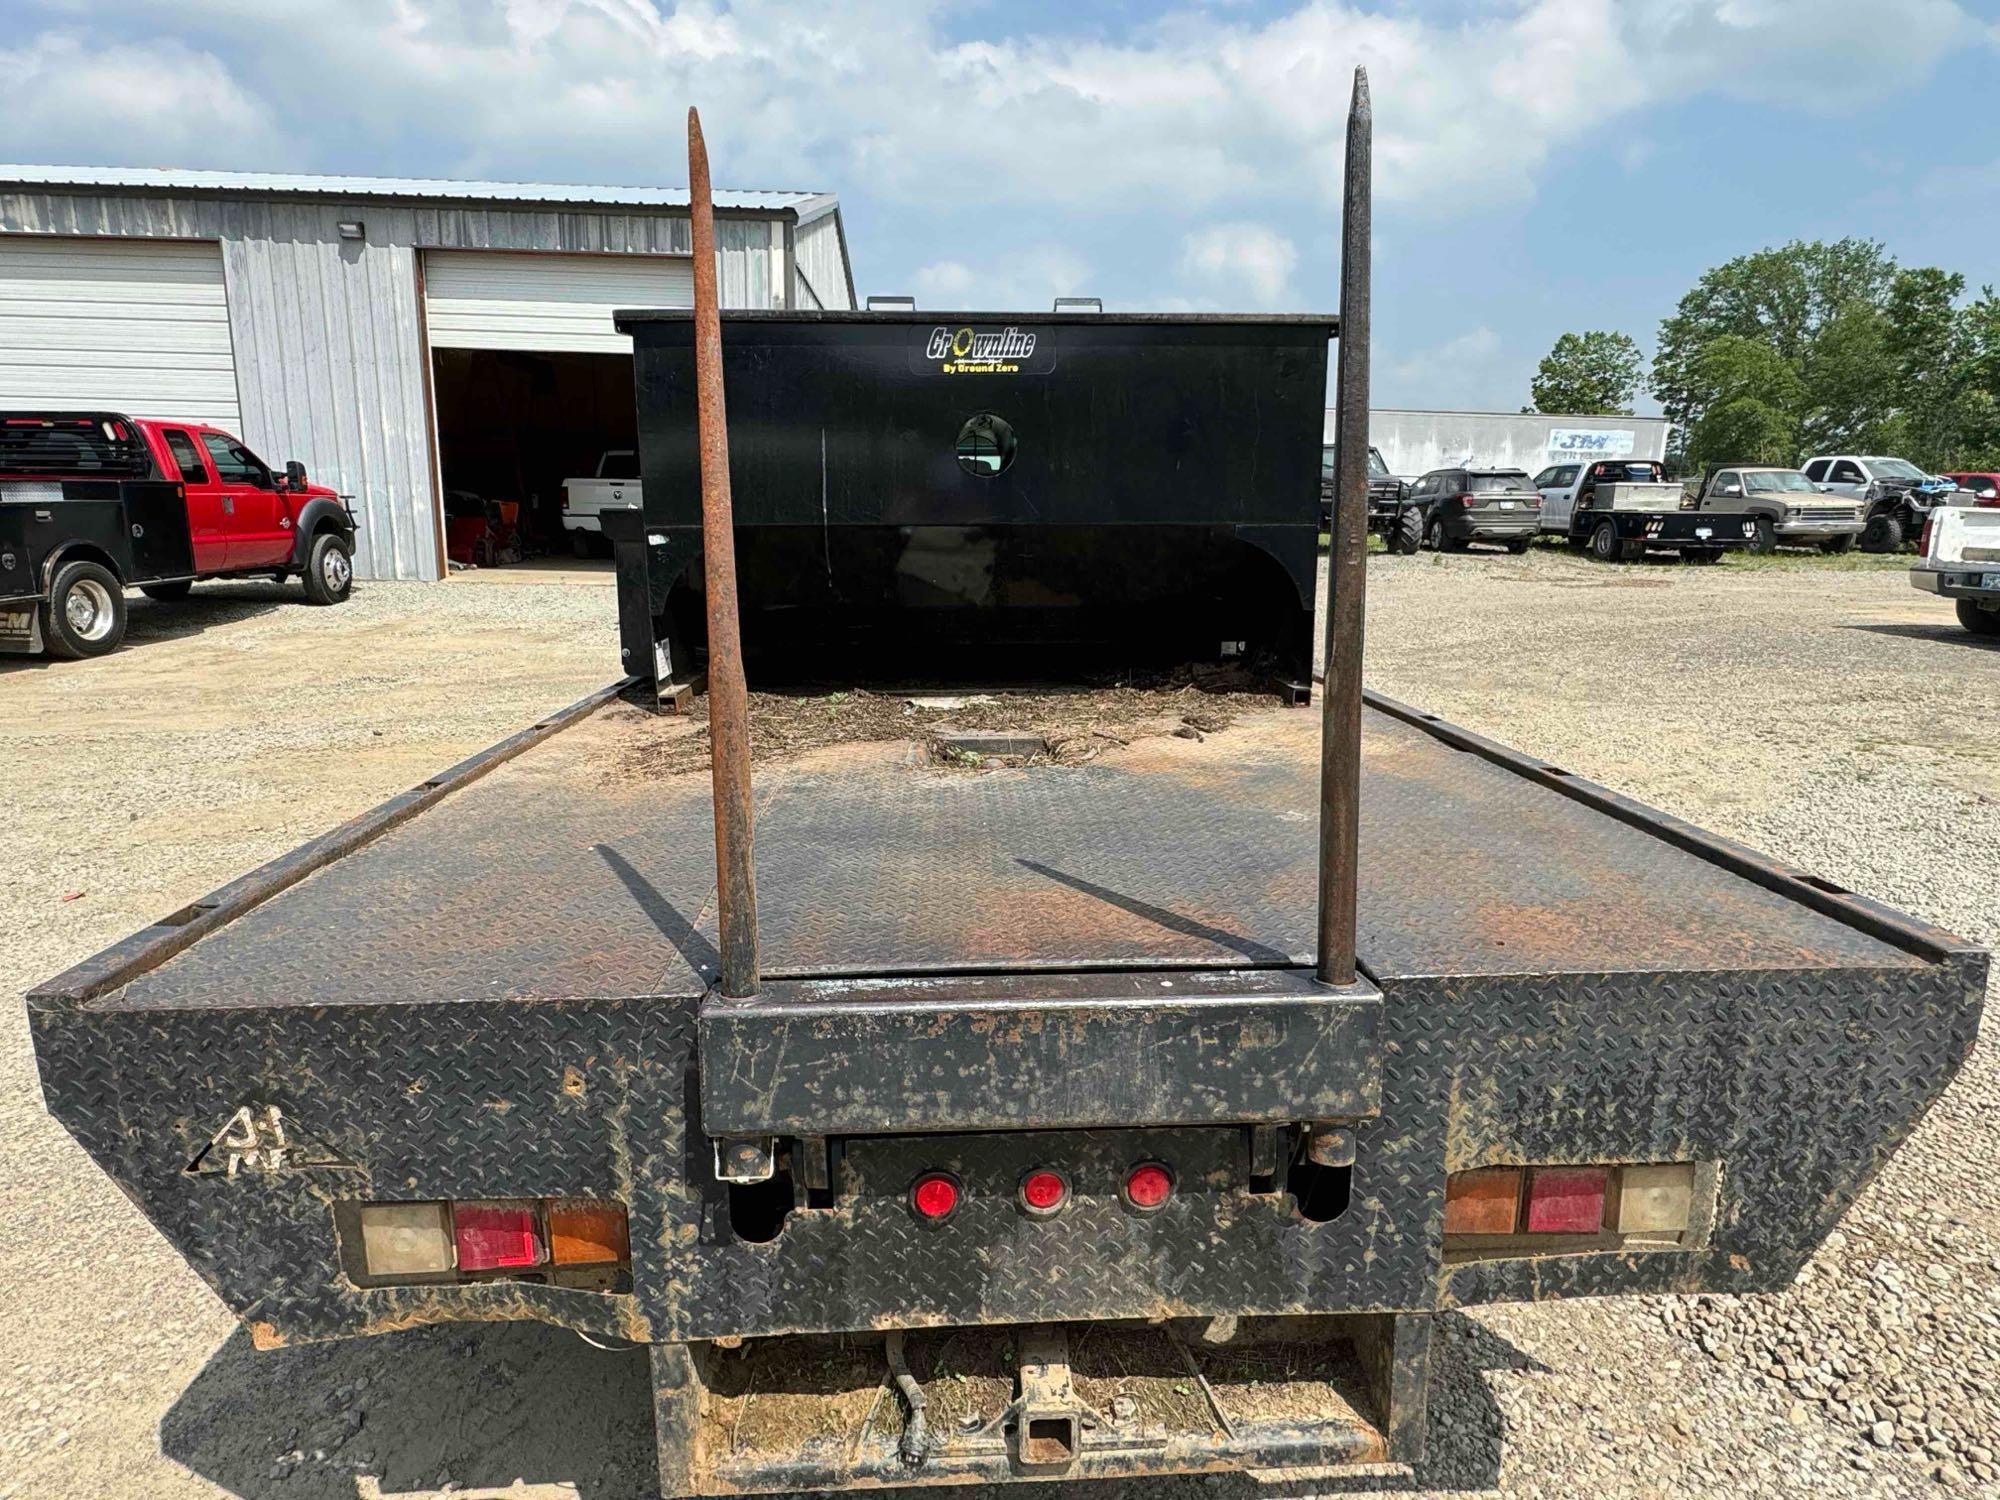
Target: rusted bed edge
1879 921
153 945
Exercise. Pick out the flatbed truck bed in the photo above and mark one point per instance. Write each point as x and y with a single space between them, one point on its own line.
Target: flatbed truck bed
498 986
1062 1121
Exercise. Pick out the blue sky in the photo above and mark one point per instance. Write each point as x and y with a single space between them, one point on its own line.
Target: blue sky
1542 165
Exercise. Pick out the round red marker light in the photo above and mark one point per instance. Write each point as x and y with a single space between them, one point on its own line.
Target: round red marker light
1044 1191
935 1196
1148 1185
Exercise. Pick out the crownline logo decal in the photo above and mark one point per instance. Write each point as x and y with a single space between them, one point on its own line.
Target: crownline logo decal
979 348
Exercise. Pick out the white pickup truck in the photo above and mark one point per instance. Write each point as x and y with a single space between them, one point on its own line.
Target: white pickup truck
616 483
1961 561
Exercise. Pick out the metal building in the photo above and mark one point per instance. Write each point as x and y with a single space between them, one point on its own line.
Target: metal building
407 340
1415 442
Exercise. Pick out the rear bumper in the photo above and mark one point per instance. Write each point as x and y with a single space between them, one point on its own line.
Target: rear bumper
1500 531
1956 583
1049 1401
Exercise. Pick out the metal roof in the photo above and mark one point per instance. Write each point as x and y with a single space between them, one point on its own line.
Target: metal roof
807 205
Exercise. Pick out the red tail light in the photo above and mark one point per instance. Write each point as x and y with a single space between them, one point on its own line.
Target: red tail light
1566 1200
934 1197
496 1236
1924 539
1468 500
1148 1186
1044 1191
565 499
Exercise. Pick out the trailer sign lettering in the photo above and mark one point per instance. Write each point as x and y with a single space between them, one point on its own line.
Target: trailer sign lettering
1591 442
967 351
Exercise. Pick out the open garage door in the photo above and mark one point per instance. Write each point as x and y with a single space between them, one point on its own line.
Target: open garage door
138 326
488 299
531 382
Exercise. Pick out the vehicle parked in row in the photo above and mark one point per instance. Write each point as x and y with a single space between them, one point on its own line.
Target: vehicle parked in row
1621 507
1608 484
1959 559
1784 506
1390 515
616 483
93 503
1898 495
1983 487
1466 505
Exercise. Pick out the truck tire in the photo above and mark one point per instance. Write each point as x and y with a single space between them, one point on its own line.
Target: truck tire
579 542
329 573
1763 537
1834 546
1434 534
85 613
1701 556
1408 533
1883 533
167 592
1517 548
1978 621
1604 543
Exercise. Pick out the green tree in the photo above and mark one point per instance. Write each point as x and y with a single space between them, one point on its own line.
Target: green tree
1592 374
1750 395
1784 298
1945 409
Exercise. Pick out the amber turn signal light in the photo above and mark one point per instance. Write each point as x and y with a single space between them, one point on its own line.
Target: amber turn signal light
585 1232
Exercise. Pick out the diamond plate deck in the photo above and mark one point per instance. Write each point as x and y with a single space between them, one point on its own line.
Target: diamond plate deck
557 877
1561 980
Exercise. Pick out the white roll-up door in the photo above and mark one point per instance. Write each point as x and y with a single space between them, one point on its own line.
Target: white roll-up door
130 325
491 299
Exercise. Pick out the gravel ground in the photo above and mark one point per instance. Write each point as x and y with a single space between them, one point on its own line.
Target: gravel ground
1827 714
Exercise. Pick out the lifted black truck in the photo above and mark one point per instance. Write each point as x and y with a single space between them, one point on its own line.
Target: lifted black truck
1112 1119
1390 515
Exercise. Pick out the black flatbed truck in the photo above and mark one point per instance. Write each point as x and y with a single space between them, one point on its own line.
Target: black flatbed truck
83 516
1115 973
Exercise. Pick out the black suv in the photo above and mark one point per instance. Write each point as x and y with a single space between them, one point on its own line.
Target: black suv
1477 505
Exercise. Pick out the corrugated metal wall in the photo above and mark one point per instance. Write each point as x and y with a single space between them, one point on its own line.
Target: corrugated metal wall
328 332
822 262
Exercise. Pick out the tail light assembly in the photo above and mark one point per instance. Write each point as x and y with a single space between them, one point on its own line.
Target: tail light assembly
1509 1210
935 1196
1044 1191
488 1239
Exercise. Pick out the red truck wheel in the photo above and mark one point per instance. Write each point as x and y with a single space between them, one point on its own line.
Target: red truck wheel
329 569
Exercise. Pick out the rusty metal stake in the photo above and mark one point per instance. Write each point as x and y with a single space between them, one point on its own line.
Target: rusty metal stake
1346 571
728 697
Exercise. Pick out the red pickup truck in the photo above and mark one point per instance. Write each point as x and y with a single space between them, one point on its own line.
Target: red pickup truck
93 503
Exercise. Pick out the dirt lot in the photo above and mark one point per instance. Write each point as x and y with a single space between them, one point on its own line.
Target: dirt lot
1829 714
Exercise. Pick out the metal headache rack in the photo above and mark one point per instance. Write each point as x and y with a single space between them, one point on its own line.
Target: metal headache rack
84 445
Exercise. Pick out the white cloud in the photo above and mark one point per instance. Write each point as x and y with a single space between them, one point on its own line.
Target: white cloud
1247 263
1029 280
1199 114
1462 371
77 102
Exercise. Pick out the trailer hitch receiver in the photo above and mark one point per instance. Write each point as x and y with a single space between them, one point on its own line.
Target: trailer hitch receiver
1047 1432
